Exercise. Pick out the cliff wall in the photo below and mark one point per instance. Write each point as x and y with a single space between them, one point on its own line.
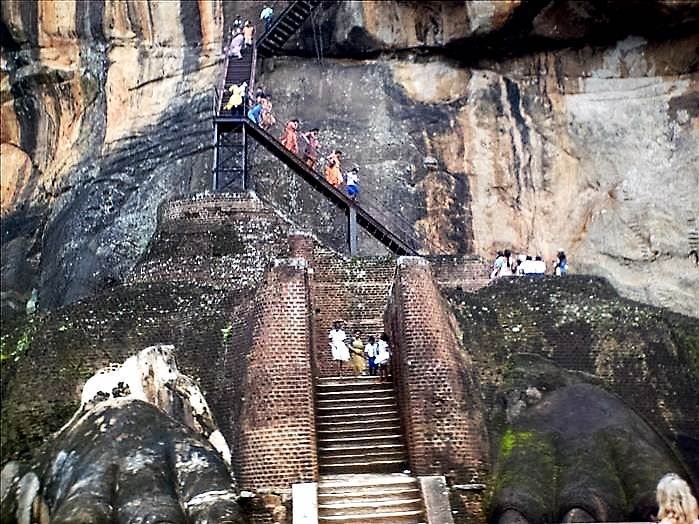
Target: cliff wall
534 125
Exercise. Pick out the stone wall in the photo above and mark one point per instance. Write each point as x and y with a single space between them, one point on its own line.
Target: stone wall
223 240
465 272
438 389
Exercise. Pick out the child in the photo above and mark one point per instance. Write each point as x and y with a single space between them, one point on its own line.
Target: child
370 352
353 182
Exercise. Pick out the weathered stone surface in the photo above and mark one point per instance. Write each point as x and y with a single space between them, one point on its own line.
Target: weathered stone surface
538 341
565 149
105 113
125 460
604 458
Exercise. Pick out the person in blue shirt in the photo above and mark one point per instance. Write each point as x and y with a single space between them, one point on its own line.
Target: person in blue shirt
255 113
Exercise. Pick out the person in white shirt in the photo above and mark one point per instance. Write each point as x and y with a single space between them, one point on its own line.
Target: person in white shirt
383 355
352 180
338 348
266 16
539 267
527 267
370 350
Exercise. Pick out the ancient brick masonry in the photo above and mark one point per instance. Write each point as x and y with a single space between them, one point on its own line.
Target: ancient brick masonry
464 272
437 387
222 240
276 443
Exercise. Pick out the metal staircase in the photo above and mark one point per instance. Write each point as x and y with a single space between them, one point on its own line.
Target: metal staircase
232 130
285 25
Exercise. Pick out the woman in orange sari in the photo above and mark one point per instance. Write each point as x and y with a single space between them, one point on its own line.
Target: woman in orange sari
333 172
289 138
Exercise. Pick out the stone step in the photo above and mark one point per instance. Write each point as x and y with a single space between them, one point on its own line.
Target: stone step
358 449
357 410
361 430
382 399
351 508
399 517
332 392
378 456
368 492
363 441
353 417
364 466
362 480
363 423
351 382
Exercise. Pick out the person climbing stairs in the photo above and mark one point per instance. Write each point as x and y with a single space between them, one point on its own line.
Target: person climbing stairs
362 456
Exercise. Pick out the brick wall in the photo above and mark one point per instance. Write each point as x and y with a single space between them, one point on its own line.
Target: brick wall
276 429
435 379
464 272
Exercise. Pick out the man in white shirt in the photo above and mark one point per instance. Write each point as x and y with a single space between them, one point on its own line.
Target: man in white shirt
539 267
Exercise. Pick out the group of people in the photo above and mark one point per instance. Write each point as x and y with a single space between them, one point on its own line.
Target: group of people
372 358
261 110
309 150
506 264
258 108
242 33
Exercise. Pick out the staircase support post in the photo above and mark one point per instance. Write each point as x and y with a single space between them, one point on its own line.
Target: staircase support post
214 182
246 181
352 230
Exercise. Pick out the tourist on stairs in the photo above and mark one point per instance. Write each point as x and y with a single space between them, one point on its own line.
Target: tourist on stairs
310 156
338 348
289 138
370 351
357 354
266 16
353 182
383 355
248 33
255 113
268 120
237 46
333 169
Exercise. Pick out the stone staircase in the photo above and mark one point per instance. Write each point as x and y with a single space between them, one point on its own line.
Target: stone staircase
361 454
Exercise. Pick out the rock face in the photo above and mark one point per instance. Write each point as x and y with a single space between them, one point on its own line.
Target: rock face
552 124
565 366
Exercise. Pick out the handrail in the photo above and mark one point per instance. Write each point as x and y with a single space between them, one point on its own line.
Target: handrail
223 79
405 240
